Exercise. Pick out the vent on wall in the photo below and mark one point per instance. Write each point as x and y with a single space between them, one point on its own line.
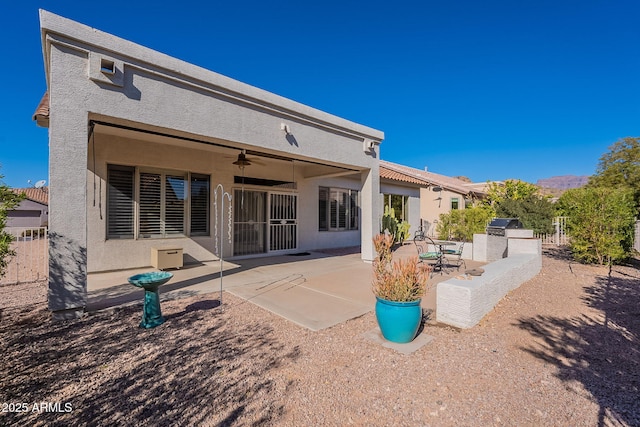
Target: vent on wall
107 66
105 69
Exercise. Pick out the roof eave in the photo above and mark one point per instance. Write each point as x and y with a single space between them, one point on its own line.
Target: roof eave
41 115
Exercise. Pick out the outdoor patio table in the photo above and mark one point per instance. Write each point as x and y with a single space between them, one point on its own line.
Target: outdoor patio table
441 247
151 313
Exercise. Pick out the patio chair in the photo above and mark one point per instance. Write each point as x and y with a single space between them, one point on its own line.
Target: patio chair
454 256
432 258
423 230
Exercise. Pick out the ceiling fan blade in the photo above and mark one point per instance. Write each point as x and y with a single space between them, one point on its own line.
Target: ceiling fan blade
256 161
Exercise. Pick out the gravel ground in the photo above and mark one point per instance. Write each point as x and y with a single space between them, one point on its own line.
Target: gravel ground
561 350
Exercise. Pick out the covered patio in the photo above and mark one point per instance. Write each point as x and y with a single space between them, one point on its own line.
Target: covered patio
149 152
314 289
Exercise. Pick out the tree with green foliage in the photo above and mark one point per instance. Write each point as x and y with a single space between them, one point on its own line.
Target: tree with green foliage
8 200
620 167
600 223
536 213
522 200
511 189
462 224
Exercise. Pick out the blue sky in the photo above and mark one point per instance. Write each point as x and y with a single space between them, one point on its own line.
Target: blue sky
487 89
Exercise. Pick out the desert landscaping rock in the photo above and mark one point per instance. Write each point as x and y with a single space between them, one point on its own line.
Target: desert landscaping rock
561 350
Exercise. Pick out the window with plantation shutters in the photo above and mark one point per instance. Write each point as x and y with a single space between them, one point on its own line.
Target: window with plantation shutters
174 204
120 202
323 209
337 209
199 205
164 199
334 210
354 210
150 205
162 205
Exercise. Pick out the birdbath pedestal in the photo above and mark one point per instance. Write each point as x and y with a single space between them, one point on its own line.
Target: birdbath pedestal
151 313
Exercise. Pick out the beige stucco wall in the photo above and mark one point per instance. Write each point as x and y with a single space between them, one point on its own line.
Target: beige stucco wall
431 208
153 91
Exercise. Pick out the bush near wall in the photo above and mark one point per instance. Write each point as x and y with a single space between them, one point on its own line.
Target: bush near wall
463 224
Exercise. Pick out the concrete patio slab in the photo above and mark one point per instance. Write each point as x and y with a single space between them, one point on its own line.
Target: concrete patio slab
315 290
301 304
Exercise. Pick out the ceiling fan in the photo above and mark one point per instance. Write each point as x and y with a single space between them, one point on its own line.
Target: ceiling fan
242 161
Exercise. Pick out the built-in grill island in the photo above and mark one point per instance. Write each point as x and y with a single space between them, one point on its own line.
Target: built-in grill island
498 232
498 226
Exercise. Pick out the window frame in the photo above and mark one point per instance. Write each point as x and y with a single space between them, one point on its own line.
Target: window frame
455 200
207 204
347 209
388 199
164 204
111 197
184 195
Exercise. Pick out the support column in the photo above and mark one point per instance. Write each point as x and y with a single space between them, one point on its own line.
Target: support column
369 211
68 136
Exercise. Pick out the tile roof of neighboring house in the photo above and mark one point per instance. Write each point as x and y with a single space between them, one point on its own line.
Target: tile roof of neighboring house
41 115
404 173
388 173
39 195
481 186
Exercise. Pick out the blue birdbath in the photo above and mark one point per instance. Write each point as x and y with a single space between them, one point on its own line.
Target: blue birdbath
151 314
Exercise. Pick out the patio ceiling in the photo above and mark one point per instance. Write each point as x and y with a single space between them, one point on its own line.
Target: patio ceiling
309 168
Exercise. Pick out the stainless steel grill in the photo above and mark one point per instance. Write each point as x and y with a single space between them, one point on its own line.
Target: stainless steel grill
498 226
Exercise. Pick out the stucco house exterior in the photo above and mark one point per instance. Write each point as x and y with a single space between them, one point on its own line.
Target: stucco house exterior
401 192
33 210
143 147
435 193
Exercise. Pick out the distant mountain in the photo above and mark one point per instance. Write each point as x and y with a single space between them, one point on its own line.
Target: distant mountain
564 182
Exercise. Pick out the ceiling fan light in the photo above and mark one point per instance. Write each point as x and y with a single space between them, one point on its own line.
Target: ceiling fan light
242 161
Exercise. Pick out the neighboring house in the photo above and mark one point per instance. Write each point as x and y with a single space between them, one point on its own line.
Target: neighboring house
142 144
401 192
33 210
437 193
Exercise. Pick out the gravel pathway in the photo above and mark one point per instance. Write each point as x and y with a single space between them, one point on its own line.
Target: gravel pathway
561 350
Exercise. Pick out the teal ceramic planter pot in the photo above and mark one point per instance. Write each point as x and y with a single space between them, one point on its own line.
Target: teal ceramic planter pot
399 321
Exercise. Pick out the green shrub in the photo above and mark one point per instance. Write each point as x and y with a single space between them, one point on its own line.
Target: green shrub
462 224
600 223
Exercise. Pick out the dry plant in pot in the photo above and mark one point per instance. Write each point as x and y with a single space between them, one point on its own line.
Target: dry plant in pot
399 281
399 287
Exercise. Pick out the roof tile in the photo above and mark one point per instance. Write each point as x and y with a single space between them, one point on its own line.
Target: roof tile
40 195
41 115
404 173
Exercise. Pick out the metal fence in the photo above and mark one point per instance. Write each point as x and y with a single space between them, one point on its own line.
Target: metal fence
31 261
560 238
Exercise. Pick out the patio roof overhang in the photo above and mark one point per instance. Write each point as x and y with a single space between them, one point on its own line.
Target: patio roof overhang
310 168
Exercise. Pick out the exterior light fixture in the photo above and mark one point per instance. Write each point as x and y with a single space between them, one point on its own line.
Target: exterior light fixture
285 128
242 161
